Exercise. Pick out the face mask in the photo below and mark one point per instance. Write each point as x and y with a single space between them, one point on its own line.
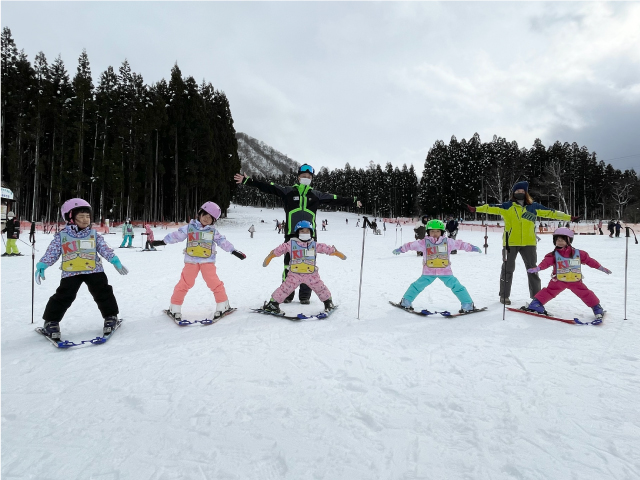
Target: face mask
519 196
305 181
305 237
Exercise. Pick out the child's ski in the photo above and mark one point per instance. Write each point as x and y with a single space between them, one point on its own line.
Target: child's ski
69 343
186 323
425 313
300 317
575 321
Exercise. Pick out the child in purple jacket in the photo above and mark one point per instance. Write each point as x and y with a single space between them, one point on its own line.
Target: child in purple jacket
436 250
79 246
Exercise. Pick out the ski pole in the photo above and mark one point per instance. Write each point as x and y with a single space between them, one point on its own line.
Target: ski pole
364 231
505 256
486 243
32 239
3 242
626 260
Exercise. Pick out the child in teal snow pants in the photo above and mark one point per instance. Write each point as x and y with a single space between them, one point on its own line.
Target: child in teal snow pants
436 258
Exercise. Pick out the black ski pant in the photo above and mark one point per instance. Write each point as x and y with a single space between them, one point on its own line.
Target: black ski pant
530 258
98 286
305 290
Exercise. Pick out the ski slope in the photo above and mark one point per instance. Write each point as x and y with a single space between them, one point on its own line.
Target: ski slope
387 396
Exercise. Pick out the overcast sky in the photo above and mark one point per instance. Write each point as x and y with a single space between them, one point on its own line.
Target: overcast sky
328 83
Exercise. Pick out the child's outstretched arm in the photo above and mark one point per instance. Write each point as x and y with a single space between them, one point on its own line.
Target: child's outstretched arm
453 244
593 263
179 235
226 245
104 249
548 260
329 250
276 252
418 246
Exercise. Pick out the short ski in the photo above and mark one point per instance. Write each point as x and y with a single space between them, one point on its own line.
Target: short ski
575 321
69 343
426 313
186 323
300 317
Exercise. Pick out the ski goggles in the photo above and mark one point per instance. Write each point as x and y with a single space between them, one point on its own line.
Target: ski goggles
306 168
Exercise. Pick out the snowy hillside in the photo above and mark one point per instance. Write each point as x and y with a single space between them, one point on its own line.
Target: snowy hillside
387 396
258 158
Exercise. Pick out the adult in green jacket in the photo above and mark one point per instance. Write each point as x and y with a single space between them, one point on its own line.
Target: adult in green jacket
519 215
300 202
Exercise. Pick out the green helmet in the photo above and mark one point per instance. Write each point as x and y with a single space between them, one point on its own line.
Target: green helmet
435 225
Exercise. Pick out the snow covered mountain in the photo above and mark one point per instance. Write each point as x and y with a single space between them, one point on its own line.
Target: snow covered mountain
258 158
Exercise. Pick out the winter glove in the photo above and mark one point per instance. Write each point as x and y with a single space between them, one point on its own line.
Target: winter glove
533 270
270 257
575 219
122 270
157 243
471 209
397 251
338 254
601 268
239 254
476 249
40 268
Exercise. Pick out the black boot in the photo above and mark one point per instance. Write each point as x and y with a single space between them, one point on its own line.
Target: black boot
109 325
52 329
289 299
305 301
272 306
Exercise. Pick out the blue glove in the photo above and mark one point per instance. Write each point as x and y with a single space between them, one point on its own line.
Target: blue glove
533 270
476 249
397 251
122 270
40 268
604 269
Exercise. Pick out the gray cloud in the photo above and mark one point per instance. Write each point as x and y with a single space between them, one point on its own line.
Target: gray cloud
330 83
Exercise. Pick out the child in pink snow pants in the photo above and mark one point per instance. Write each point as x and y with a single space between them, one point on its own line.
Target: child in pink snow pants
200 256
303 250
567 274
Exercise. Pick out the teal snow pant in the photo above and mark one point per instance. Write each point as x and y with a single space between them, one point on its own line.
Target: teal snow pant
449 280
125 239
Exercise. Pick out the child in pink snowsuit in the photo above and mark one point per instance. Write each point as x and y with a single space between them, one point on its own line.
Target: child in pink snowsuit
302 267
150 239
567 274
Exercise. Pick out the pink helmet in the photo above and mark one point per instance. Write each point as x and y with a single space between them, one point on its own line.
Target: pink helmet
212 209
563 232
69 205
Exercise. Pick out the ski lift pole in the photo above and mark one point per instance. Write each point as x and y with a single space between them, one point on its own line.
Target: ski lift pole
32 239
486 237
365 223
505 257
626 261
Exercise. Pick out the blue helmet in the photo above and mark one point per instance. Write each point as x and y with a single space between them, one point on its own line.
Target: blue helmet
303 224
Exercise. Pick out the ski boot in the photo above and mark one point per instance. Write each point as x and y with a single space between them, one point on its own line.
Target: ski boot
466 308
175 312
406 304
272 306
536 306
221 308
599 313
289 299
505 300
328 305
305 301
52 329
110 323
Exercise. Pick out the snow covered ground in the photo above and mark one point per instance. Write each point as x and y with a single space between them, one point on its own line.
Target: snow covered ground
387 396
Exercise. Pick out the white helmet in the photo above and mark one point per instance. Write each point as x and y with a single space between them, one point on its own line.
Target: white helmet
11 215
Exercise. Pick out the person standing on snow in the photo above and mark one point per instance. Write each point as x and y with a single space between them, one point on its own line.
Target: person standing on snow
303 250
252 229
127 234
12 228
452 231
79 246
436 248
567 274
519 215
618 228
300 202
200 256
150 239
420 230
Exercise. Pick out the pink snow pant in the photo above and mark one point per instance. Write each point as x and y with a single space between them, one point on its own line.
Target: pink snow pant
292 282
552 290
188 280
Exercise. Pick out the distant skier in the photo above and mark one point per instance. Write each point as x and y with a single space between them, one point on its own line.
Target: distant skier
300 202
79 246
452 231
436 249
567 274
420 230
610 226
127 234
618 228
252 229
150 238
12 227
200 256
303 250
